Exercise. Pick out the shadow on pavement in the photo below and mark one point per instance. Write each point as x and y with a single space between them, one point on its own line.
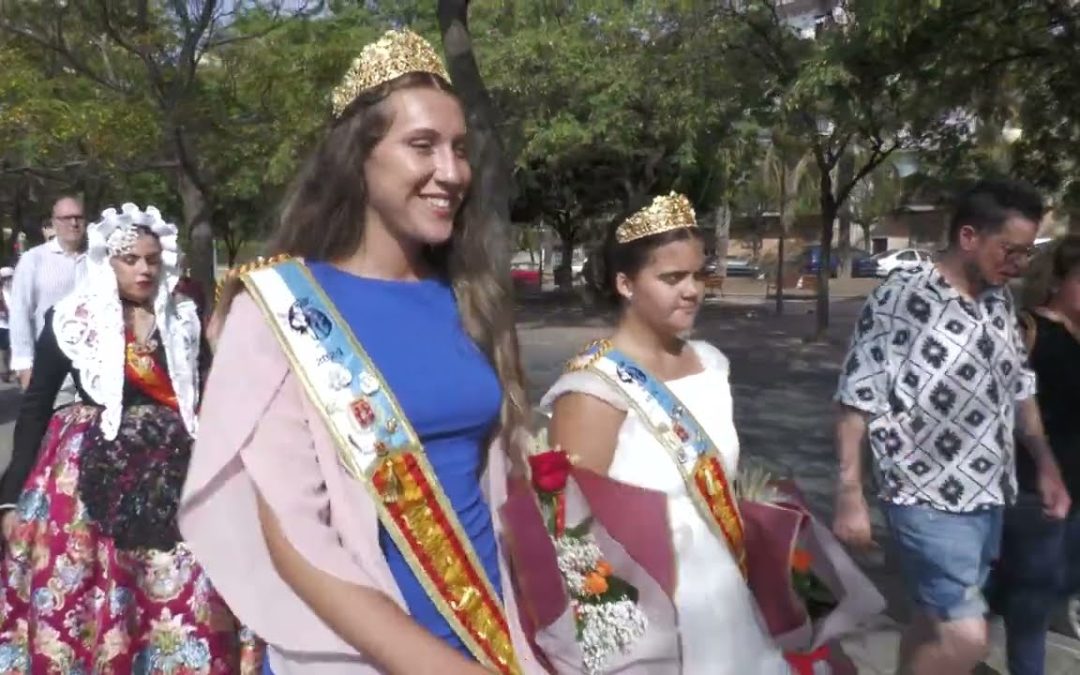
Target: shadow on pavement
554 309
9 404
783 385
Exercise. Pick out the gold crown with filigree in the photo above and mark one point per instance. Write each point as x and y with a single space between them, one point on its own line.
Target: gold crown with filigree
396 53
666 213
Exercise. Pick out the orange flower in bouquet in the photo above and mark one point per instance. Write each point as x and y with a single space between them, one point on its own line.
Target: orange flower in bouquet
801 560
595 584
812 590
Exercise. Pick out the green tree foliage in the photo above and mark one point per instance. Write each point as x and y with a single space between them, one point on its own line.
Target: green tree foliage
266 104
866 83
149 56
606 104
591 106
60 133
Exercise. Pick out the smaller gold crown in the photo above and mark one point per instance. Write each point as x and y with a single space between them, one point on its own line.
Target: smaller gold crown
396 53
671 212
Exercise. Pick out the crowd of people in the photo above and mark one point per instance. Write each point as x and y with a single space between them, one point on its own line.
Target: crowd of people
313 478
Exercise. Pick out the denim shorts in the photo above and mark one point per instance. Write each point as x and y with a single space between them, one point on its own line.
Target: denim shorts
944 557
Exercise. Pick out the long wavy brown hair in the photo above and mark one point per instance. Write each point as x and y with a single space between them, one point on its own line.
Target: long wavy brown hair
322 219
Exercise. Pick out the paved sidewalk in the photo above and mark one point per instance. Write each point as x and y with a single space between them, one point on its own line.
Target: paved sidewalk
874 652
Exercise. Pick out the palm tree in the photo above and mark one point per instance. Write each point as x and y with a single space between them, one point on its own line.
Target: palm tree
784 172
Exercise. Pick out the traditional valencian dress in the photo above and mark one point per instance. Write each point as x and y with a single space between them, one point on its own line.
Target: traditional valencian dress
95 578
679 440
361 412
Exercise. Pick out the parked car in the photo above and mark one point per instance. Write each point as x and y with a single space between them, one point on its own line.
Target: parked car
734 266
741 267
863 264
902 258
809 261
525 273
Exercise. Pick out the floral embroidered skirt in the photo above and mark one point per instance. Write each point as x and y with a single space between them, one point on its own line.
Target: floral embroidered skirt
74 602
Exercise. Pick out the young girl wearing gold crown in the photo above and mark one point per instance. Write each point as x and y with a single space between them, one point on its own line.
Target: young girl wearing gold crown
342 492
650 408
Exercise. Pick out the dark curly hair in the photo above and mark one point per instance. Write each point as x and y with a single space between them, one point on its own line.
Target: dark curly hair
988 204
631 257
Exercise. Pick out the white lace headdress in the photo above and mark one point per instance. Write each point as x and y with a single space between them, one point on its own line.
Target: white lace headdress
89 323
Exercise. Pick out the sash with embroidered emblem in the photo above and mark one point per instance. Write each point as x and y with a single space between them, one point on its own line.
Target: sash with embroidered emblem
693 451
379 447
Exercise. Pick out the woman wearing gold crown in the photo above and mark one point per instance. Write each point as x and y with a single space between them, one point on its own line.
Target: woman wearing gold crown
94 575
341 494
650 408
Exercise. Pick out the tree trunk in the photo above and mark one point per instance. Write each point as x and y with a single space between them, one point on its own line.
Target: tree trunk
89 185
547 251
493 171
789 196
846 174
18 219
828 223
780 275
196 207
722 234
564 273
232 250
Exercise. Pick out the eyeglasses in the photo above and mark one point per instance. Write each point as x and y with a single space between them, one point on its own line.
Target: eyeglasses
1018 253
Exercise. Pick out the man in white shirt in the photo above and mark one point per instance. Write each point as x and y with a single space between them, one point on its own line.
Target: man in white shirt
44 275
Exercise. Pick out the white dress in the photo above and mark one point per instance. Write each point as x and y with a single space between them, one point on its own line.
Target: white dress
720 629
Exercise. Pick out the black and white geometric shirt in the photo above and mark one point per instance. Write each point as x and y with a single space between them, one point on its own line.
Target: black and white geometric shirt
940 375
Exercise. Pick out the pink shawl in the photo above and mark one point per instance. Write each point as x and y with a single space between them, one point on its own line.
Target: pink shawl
259 431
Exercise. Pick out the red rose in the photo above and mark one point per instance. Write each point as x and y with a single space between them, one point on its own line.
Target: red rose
550 470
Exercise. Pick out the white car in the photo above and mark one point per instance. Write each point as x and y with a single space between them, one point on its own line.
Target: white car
901 258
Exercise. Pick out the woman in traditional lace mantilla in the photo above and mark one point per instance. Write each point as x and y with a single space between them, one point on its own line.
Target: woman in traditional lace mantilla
95 577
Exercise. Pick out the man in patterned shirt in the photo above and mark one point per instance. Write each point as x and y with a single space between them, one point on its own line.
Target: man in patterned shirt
936 375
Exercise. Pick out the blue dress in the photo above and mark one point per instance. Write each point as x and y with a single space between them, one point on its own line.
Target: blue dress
447 389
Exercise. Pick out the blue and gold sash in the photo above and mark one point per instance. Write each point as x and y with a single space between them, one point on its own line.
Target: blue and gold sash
690 447
379 447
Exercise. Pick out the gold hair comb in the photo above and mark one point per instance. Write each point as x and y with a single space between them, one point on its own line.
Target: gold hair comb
666 213
396 53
